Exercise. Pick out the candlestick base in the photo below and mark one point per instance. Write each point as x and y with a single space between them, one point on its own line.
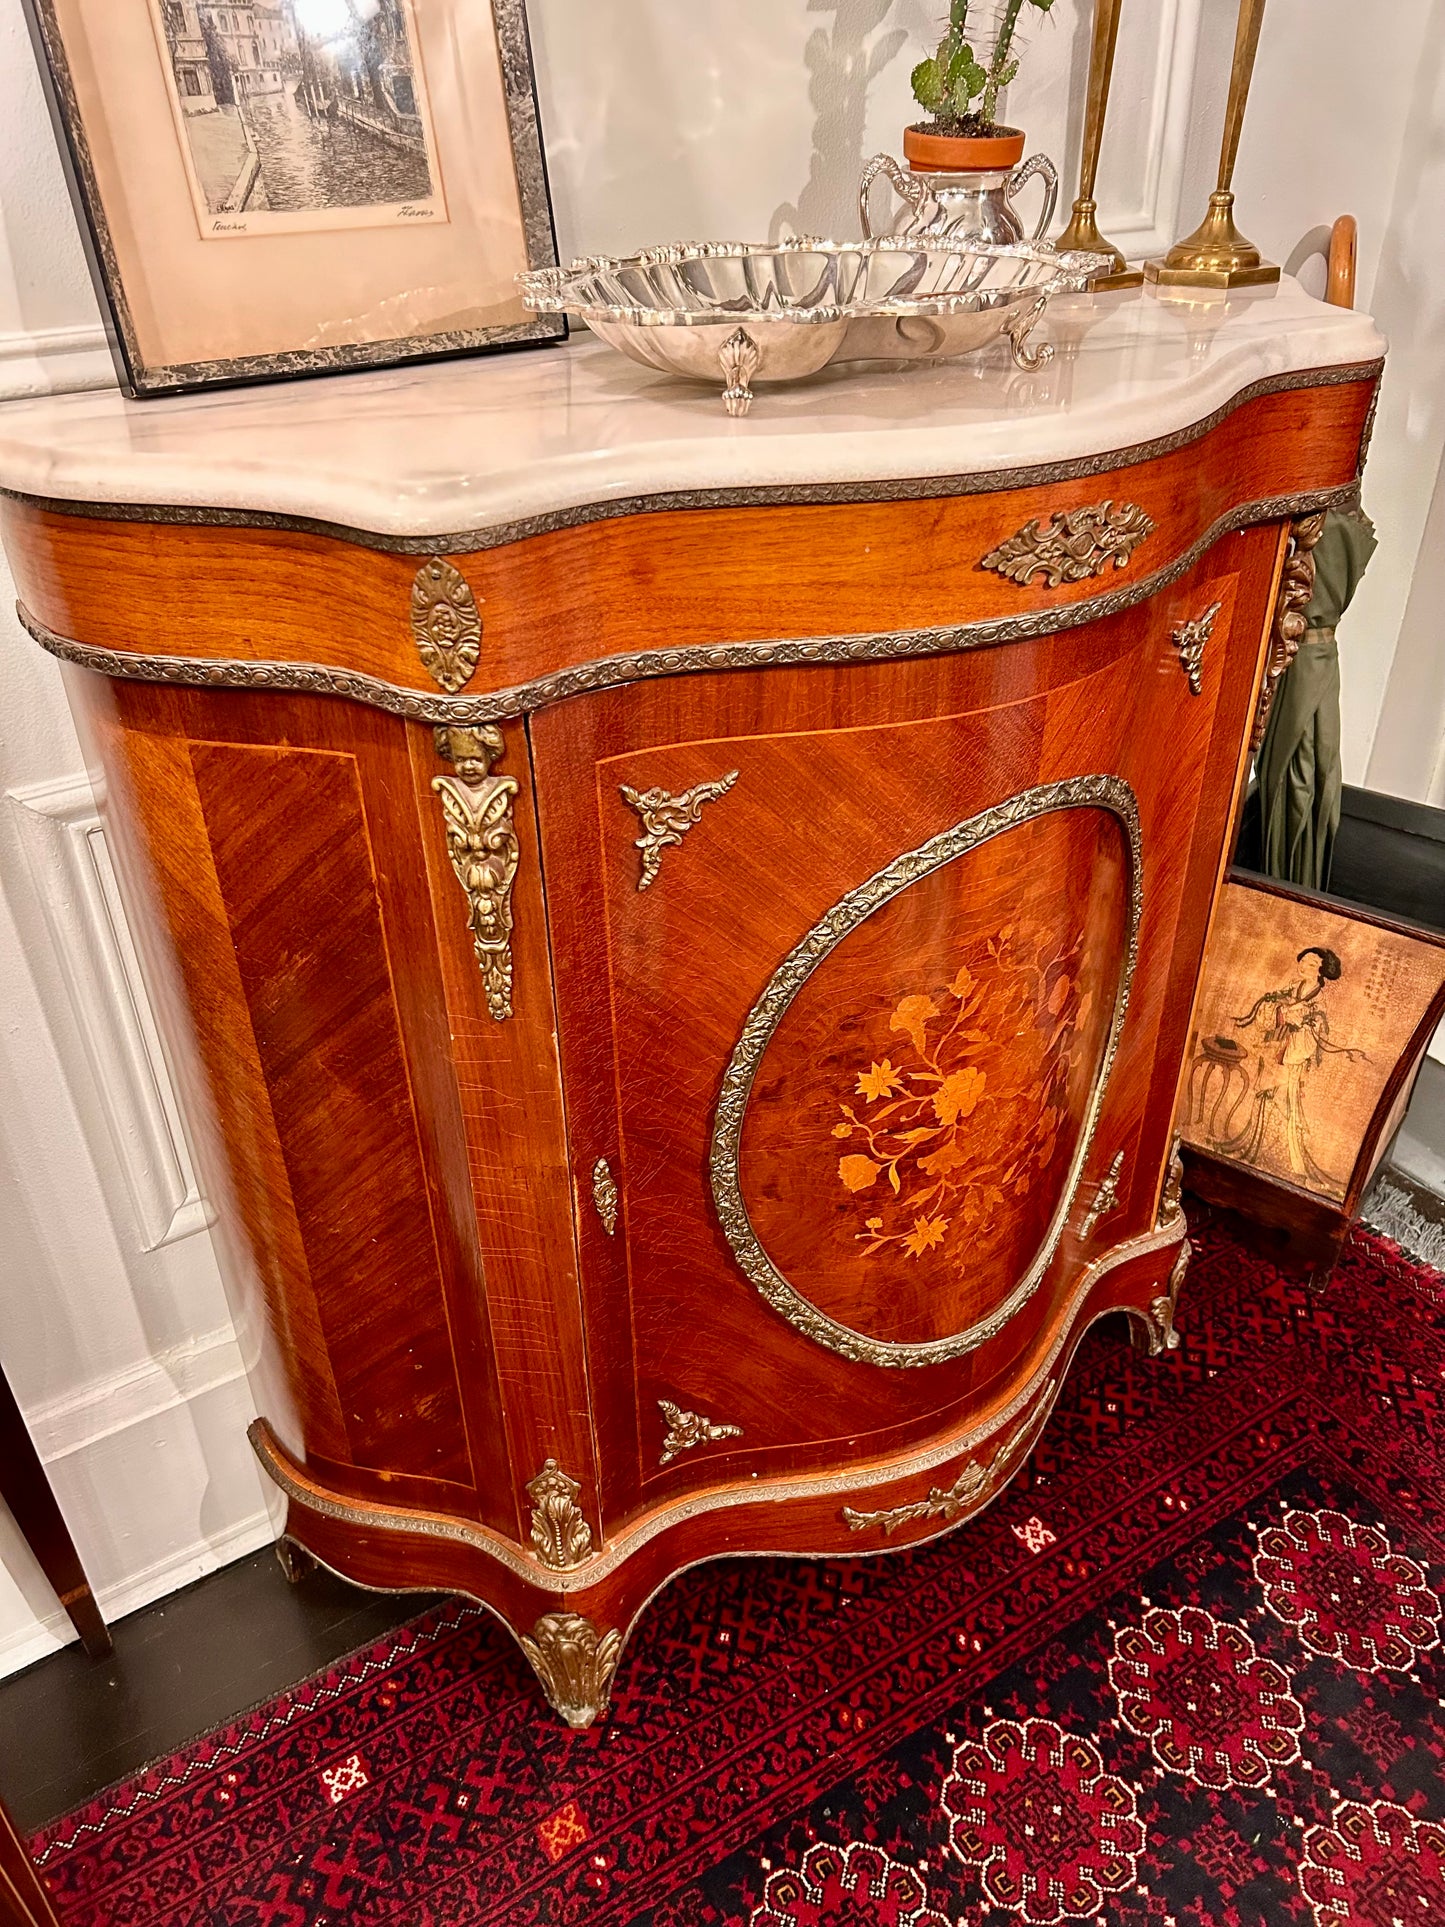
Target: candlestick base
1083 233
1215 255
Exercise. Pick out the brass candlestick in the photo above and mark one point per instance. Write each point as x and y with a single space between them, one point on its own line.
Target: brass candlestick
1082 231
1216 254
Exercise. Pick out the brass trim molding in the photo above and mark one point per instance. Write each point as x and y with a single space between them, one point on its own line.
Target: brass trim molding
1072 545
1367 433
1110 793
666 819
910 488
575 1664
1105 1199
687 1430
1171 1202
482 844
1190 640
612 672
445 624
298 1488
604 1195
977 1479
561 1536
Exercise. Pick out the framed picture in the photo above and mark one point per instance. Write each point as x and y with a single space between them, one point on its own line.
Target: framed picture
289 187
1312 1021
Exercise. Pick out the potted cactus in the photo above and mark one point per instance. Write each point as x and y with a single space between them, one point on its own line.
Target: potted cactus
958 85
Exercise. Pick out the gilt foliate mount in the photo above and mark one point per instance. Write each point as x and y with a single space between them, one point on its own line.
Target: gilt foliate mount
1071 546
446 624
482 843
960 82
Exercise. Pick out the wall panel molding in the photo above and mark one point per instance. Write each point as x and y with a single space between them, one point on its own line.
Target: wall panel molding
92 1413
144 1532
65 850
1157 138
53 361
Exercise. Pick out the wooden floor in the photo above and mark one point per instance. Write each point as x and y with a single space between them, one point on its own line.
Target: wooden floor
70 1726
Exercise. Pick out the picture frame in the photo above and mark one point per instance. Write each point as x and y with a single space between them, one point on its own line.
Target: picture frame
277 188
1312 1020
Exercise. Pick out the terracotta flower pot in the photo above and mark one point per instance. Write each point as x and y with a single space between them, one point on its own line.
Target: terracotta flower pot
930 153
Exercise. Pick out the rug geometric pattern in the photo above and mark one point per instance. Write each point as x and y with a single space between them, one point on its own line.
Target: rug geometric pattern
1187 1671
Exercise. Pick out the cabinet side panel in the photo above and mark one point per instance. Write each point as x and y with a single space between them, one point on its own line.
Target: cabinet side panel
280 899
289 843
157 835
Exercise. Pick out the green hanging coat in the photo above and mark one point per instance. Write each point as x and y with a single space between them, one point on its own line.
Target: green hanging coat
1298 772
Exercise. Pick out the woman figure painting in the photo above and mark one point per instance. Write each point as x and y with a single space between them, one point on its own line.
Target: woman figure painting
1291 1036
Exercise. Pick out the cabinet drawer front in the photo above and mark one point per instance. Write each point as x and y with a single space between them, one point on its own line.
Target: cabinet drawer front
864 974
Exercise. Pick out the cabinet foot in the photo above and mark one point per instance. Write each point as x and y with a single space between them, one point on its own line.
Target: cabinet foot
294 1560
1153 1330
575 1664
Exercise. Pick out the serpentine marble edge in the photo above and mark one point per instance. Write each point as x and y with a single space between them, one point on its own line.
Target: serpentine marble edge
492 446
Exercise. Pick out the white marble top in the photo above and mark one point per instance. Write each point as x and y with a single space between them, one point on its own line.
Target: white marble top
480 443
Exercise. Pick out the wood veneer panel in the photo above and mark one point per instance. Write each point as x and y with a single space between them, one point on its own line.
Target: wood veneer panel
288 839
135 740
144 736
670 580
517 1172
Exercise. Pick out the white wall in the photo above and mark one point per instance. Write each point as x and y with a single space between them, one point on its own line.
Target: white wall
1406 596
664 121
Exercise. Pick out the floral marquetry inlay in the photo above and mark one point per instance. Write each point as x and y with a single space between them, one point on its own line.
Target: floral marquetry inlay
908 1110
959 1115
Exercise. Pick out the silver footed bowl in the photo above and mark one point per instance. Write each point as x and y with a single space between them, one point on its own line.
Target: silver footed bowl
743 312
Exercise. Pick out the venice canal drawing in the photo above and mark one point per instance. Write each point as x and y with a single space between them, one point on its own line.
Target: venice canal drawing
300 114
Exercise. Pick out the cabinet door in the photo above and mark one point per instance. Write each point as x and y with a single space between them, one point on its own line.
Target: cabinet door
868 976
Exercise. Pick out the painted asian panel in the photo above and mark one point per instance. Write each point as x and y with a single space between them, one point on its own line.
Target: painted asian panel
1304 1014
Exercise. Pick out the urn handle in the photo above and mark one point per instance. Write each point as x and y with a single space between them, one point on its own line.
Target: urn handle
907 186
1024 173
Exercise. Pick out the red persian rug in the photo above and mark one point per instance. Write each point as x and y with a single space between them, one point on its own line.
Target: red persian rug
1186 1671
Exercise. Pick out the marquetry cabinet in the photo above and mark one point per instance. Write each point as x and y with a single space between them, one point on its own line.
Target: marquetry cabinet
680 936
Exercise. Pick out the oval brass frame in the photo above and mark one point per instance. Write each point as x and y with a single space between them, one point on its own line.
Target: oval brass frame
1111 793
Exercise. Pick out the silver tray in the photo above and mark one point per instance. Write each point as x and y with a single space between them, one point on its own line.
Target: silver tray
746 312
